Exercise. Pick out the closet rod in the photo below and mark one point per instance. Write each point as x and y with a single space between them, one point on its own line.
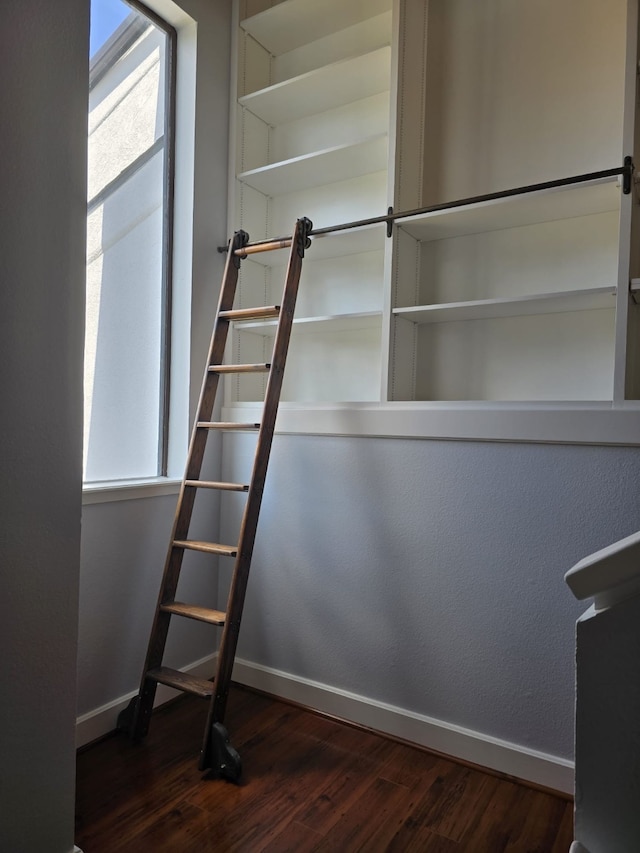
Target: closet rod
625 170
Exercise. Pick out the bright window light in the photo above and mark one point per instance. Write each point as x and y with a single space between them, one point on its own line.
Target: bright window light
128 244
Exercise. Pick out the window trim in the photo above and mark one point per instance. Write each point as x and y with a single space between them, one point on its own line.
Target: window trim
126 490
167 143
167 226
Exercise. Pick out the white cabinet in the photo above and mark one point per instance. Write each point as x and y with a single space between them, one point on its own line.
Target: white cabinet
346 108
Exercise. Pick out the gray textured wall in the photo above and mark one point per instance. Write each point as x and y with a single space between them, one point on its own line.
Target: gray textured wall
429 575
43 68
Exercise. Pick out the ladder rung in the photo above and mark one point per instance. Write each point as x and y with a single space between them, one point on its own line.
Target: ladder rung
206 547
264 246
192 611
264 312
239 368
216 753
181 681
221 425
210 484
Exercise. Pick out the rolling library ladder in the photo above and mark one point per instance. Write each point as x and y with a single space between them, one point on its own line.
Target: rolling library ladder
217 754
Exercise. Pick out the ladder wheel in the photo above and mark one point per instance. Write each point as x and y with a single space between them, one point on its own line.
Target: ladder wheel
225 763
127 716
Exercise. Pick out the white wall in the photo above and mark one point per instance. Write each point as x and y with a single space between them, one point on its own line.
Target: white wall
42 233
124 542
429 576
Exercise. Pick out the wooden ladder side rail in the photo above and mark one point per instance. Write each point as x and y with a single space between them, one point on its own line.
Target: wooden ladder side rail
138 721
217 753
212 747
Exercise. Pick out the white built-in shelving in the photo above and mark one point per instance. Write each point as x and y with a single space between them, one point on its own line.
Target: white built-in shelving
527 287
285 26
590 299
347 108
312 139
322 89
328 323
529 208
520 297
328 165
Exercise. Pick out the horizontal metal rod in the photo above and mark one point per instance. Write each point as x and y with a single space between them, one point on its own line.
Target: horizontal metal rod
478 199
281 242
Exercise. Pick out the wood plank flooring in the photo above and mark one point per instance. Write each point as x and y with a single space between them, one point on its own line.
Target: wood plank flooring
308 784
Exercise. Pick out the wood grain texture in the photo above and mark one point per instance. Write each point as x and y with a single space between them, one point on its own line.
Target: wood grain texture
206 547
181 681
309 784
262 312
239 368
194 611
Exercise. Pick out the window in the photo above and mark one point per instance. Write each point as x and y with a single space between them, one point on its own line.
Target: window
129 227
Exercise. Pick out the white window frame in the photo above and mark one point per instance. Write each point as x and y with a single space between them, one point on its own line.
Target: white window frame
179 321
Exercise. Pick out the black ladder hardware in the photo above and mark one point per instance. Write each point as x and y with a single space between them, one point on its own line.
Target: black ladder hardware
217 754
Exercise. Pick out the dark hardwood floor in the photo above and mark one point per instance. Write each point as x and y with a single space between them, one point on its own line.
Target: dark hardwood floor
308 783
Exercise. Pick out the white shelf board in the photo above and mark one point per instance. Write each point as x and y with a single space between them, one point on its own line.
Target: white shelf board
542 206
322 89
353 241
338 244
320 325
292 23
589 422
588 299
319 168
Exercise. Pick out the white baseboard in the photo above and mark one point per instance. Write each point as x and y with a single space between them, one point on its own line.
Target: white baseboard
101 721
521 762
527 764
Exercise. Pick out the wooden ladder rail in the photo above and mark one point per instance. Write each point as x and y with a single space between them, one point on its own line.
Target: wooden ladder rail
217 754
211 747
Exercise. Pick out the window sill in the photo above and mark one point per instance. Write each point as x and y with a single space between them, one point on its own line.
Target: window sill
128 490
